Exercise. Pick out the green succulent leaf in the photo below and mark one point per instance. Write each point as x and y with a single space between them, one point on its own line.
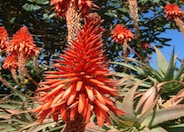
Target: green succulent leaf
133 67
132 77
42 2
179 73
153 75
40 127
7 128
169 74
147 100
145 129
176 128
49 16
35 126
163 115
158 129
162 62
128 103
31 7
156 1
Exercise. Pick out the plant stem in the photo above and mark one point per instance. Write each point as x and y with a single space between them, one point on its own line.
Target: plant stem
179 23
73 23
12 88
133 8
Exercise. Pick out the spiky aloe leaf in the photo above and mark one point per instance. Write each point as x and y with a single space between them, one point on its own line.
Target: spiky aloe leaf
150 110
131 77
128 103
163 115
41 127
143 69
179 73
133 67
36 126
176 128
129 118
169 74
158 129
162 62
148 99
174 100
153 75
30 125
146 129
6 128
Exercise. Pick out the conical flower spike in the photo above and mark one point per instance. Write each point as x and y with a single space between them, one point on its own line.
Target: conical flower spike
22 42
173 11
120 34
3 38
82 6
83 72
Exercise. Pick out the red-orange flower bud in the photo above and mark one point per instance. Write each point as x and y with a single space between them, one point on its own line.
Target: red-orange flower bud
3 38
23 42
11 61
82 6
173 11
120 34
145 46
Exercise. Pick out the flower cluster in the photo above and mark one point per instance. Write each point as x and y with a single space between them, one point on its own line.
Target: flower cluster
22 42
80 84
3 38
11 61
173 11
61 6
145 46
120 34
20 49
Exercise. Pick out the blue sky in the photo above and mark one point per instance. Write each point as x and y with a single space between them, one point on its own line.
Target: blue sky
177 41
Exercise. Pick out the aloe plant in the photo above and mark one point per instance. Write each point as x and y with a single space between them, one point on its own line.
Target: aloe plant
166 72
16 116
146 115
153 95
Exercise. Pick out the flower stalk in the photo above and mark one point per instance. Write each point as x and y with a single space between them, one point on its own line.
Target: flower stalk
180 25
73 23
173 12
5 82
73 11
123 35
133 8
20 49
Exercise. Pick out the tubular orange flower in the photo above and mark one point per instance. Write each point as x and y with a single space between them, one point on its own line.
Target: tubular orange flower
3 38
11 61
120 34
82 6
80 84
173 11
145 46
23 42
